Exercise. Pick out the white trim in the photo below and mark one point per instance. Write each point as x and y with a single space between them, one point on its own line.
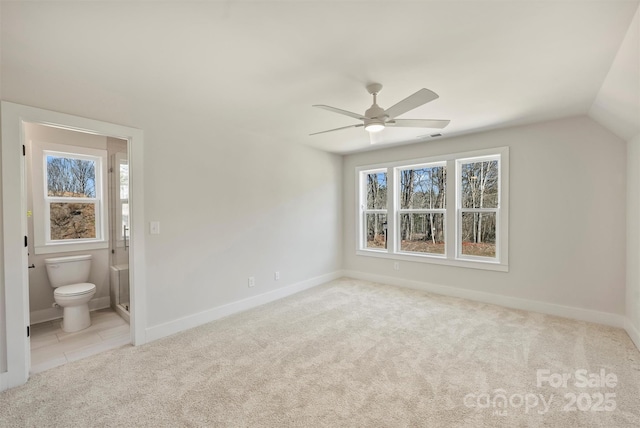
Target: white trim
14 228
572 312
49 314
436 260
633 332
204 317
68 247
460 210
362 210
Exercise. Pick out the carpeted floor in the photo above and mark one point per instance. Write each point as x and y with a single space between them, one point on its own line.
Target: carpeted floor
350 353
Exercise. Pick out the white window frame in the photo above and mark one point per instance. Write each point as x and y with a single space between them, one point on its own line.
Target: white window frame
41 201
452 223
364 210
460 210
398 211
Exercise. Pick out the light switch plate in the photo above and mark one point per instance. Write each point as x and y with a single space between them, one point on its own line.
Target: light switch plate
154 227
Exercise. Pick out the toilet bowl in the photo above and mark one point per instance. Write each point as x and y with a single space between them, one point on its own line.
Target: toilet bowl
68 276
74 300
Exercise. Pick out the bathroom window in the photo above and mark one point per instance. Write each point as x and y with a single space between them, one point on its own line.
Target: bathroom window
121 178
69 206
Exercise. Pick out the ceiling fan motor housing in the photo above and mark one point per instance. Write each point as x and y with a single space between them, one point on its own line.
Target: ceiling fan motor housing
374 118
374 114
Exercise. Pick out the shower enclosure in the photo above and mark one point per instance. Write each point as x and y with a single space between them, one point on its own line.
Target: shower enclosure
120 233
120 289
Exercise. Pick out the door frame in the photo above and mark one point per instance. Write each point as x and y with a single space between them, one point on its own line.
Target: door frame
14 230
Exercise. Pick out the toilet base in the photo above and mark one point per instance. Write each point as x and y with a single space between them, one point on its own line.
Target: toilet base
75 318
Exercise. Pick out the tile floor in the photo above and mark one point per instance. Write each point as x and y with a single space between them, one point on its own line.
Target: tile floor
52 347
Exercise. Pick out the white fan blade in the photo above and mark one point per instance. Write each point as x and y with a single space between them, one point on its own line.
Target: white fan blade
340 111
418 123
338 129
421 97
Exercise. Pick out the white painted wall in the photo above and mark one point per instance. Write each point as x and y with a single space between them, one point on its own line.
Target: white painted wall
617 106
3 325
231 203
633 239
570 174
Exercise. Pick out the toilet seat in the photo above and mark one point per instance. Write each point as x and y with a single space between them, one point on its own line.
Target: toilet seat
75 289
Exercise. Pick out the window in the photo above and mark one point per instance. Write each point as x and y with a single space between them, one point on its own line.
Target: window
421 209
68 198
478 204
448 209
121 185
375 210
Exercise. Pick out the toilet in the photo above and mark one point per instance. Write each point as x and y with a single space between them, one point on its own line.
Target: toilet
68 277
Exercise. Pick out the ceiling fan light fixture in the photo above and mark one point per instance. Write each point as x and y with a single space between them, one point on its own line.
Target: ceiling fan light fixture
374 126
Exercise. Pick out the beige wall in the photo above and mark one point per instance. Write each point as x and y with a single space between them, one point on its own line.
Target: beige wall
570 175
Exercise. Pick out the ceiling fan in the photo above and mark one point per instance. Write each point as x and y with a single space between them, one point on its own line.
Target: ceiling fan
376 118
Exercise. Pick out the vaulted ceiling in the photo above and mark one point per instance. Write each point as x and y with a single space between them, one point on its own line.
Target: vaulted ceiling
259 66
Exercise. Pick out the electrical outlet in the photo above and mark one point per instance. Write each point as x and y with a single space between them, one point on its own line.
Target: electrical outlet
276 275
396 265
252 281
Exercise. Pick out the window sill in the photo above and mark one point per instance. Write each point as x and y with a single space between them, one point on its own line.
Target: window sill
438 260
69 247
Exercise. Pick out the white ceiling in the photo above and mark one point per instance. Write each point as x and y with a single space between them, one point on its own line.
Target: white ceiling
259 66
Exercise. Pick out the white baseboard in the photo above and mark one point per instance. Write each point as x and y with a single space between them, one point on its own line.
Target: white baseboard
49 314
633 332
606 318
191 321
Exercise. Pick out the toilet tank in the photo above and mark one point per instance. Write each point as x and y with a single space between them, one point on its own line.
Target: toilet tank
68 270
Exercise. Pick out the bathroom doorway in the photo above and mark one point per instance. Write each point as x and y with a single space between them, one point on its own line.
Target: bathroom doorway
77 191
16 362
77 204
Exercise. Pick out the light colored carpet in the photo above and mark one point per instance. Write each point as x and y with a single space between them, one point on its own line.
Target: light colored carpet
347 353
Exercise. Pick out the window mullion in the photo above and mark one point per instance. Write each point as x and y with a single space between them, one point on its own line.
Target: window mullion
451 205
392 206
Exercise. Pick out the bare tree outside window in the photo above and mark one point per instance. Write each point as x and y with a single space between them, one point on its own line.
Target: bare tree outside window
376 210
422 205
479 203
69 181
449 209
